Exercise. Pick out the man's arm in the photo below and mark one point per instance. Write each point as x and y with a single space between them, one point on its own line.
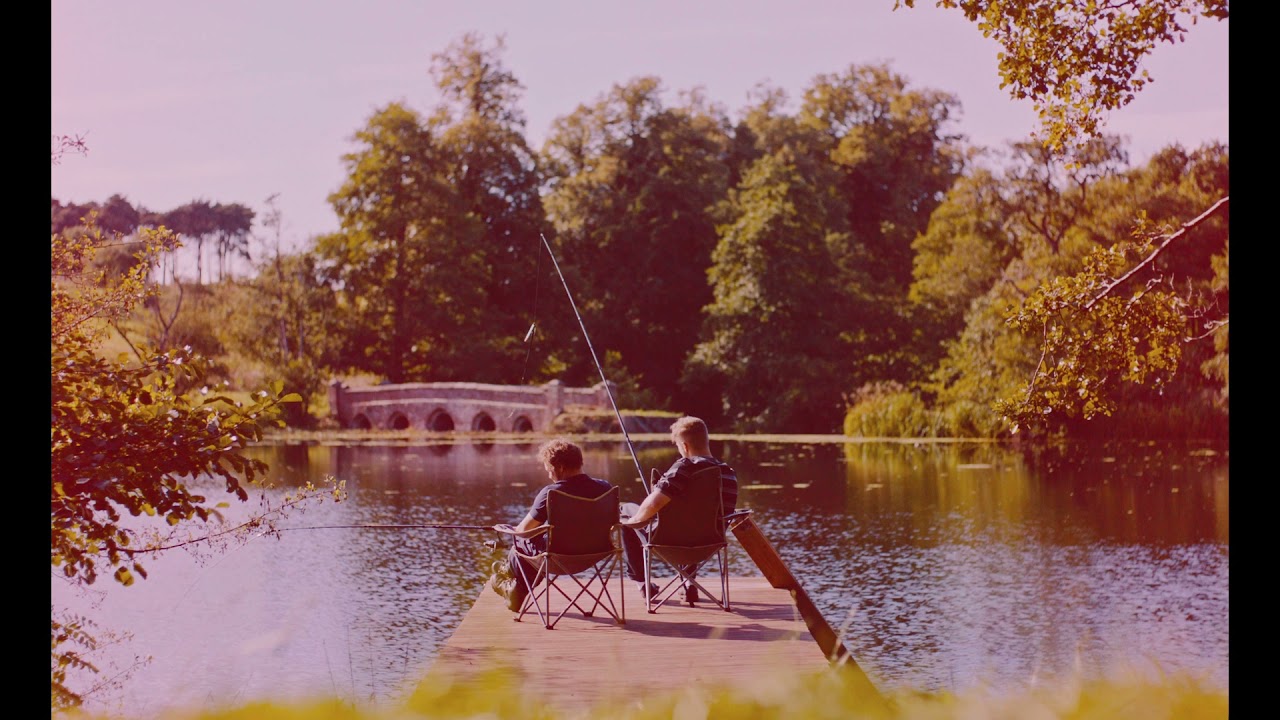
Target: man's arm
528 523
649 508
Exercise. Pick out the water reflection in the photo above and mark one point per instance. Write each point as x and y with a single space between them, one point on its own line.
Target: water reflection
947 565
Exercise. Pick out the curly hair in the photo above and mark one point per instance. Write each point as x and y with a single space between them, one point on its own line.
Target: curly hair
560 454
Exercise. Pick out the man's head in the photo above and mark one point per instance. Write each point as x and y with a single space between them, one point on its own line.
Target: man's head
690 436
560 458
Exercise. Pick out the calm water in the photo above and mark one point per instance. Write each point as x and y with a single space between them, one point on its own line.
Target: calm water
949 566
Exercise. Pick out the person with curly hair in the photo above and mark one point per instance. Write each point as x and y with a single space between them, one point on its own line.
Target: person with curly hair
562 461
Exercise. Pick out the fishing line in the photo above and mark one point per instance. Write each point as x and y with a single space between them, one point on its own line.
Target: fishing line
387 527
537 281
597 361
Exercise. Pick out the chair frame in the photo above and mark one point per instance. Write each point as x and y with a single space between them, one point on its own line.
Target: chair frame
710 542
551 565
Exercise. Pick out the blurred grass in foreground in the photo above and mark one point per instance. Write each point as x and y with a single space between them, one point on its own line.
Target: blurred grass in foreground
496 695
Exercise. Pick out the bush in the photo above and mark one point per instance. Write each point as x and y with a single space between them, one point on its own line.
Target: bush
889 410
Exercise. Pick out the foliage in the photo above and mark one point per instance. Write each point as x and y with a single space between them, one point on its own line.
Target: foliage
1078 60
1093 339
286 318
125 437
772 338
889 409
631 183
1056 238
437 257
497 693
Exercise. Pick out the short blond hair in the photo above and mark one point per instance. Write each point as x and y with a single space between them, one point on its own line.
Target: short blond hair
691 430
561 455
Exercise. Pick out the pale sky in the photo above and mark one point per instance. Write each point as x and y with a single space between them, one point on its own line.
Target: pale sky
237 100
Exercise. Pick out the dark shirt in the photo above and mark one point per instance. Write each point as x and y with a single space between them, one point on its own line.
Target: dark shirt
581 485
676 479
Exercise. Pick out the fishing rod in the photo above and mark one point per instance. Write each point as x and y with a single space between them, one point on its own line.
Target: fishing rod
376 526
597 362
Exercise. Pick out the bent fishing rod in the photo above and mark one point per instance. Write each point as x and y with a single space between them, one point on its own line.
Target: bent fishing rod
586 337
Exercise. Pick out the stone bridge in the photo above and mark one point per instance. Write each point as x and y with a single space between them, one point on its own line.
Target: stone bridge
459 406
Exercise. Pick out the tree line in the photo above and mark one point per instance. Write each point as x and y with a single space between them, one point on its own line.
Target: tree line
848 266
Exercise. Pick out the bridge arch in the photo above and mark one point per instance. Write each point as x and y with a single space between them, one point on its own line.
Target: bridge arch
361 422
522 425
398 421
440 421
483 422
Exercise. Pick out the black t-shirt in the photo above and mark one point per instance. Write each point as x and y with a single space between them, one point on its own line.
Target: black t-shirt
676 479
581 485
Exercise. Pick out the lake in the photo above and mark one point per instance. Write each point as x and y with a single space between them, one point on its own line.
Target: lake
947 565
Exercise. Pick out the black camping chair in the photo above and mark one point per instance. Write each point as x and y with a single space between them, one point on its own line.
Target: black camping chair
686 535
583 539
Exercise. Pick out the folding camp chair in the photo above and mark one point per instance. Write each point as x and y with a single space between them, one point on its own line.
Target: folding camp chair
686 535
583 538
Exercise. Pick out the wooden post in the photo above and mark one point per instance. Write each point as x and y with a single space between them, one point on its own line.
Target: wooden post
775 570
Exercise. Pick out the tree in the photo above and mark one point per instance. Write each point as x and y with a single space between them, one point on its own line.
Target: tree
1079 60
771 344
895 158
1119 332
126 439
231 234
197 220
405 260
288 319
489 166
632 184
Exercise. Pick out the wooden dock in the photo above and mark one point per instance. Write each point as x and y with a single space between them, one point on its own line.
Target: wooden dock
773 630
584 662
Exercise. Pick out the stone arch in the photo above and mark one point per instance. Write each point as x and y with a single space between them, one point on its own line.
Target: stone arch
522 424
361 422
440 421
398 421
482 422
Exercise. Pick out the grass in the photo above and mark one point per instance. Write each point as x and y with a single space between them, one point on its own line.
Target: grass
497 695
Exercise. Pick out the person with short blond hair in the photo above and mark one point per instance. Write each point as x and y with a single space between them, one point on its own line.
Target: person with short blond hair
693 441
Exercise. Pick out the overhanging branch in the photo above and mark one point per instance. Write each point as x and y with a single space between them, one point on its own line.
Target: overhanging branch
1150 258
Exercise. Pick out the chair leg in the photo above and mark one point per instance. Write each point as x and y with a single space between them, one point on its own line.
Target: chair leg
648 582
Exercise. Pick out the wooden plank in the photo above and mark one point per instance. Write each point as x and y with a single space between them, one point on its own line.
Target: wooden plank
775 569
584 662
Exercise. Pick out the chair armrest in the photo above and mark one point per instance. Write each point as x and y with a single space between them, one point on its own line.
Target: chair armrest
505 529
624 521
735 518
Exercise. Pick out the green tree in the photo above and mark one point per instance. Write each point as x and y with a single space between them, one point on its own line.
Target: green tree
490 167
771 344
197 220
1116 335
631 188
1044 312
231 234
438 256
1079 60
895 156
405 260
961 255
126 440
